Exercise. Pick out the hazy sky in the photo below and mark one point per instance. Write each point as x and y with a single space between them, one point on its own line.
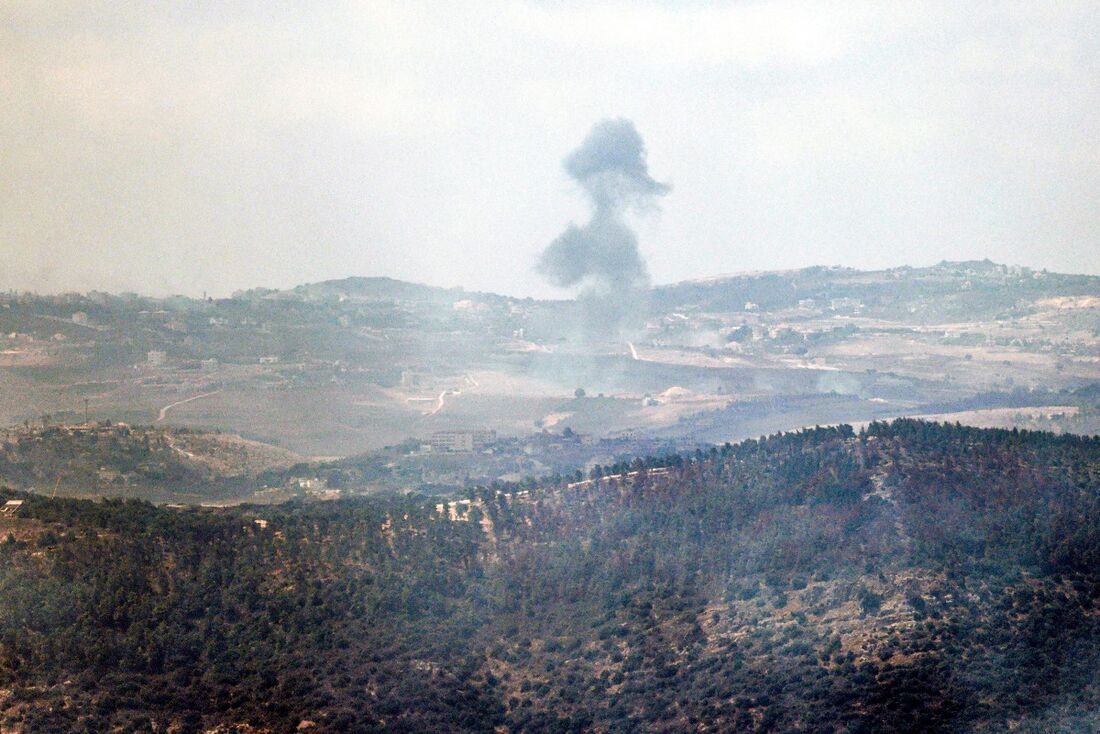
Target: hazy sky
181 147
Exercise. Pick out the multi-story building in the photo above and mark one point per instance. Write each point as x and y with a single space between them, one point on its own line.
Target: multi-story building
461 440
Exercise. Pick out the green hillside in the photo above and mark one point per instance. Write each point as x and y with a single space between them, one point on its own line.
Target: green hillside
152 463
913 577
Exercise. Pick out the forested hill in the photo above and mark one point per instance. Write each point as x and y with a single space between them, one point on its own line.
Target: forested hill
914 577
150 462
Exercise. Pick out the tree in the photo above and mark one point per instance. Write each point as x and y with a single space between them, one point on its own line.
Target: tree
579 392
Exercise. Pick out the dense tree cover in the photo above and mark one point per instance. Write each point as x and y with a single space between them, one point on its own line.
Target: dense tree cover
914 577
118 460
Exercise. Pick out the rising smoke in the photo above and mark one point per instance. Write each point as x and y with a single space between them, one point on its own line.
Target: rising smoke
601 258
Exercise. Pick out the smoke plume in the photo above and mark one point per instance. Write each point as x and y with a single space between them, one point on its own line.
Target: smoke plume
601 258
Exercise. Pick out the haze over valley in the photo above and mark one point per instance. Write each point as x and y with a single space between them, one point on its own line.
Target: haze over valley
518 367
345 368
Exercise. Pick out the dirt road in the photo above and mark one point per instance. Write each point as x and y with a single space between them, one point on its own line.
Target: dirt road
166 408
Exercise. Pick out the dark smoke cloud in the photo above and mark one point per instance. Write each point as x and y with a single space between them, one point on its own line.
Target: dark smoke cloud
601 258
611 166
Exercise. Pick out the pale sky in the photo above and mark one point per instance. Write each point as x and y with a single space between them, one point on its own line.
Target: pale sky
167 147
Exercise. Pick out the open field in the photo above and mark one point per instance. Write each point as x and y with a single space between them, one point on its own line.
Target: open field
343 367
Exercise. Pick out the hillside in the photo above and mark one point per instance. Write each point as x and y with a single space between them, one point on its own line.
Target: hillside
152 463
913 577
344 367
946 292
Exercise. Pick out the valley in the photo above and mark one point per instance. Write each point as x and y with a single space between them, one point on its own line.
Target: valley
369 369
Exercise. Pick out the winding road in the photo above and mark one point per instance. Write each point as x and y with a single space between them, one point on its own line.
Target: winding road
166 408
439 402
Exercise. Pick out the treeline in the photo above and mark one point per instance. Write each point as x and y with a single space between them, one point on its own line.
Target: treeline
112 460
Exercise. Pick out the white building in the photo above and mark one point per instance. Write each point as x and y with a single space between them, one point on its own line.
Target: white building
457 441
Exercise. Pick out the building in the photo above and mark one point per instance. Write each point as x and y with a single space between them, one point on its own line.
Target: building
80 318
156 358
458 441
10 508
845 304
209 365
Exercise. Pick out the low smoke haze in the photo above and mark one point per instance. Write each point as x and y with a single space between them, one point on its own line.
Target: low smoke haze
213 147
529 366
